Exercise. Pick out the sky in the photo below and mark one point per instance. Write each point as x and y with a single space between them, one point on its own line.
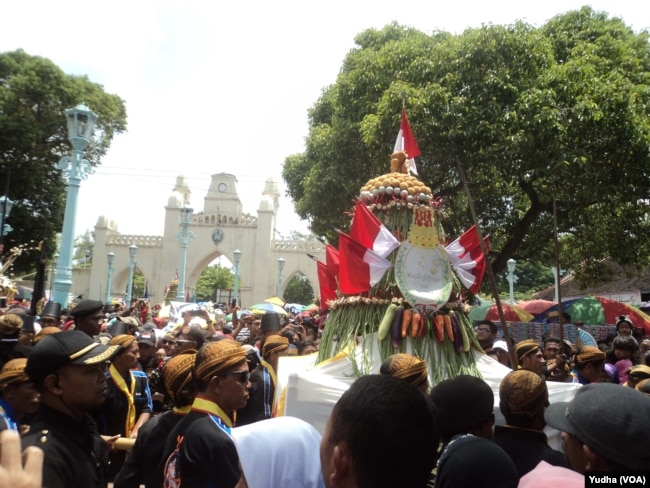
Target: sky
216 86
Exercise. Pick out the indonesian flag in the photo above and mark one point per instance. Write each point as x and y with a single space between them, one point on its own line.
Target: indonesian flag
467 258
406 142
368 231
332 260
360 268
327 284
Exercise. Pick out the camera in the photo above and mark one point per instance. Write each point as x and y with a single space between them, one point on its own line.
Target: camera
196 313
233 303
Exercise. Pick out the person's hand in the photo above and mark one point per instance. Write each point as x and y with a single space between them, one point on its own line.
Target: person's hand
13 474
110 441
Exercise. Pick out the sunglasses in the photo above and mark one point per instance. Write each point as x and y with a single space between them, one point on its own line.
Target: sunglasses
178 342
244 376
167 342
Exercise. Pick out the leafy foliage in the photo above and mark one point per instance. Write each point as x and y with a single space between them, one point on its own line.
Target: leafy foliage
213 278
34 93
298 290
534 116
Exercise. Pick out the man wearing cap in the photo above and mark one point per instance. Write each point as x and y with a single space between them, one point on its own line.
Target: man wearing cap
10 327
465 405
17 395
530 356
68 371
88 317
589 365
523 397
51 315
199 451
604 428
147 452
146 339
407 367
263 382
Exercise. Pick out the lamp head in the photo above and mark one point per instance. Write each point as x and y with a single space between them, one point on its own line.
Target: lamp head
111 258
7 205
81 124
511 265
132 250
186 214
280 264
237 254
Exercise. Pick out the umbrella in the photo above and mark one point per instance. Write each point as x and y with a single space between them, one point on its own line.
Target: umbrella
294 307
536 306
263 308
311 308
595 310
276 301
488 311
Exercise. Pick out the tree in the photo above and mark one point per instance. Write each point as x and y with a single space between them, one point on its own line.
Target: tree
34 93
83 249
299 290
534 116
213 278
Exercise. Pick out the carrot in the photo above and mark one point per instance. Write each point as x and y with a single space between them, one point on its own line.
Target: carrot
395 328
406 321
386 322
439 327
424 325
448 329
416 323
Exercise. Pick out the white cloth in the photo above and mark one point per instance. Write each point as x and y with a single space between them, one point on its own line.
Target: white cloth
279 452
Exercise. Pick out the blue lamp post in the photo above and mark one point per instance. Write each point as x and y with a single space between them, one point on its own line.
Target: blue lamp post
280 268
81 123
237 254
109 277
6 205
132 262
184 236
512 279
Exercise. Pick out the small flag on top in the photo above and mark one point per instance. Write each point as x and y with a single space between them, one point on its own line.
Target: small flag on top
360 268
406 142
368 231
467 258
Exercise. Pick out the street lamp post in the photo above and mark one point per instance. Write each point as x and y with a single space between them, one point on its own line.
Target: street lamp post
81 123
109 277
56 259
5 228
512 279
184 236
280 268
237 255
132 262
556 278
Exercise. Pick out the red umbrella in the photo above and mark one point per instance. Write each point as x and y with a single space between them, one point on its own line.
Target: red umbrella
536 306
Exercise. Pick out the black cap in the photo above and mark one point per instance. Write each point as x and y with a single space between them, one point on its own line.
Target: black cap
146 336
463 402
195 333
52 309
58 350
86 307
270 321
611 419
28 323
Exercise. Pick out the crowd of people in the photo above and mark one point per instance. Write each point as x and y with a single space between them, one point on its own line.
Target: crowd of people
126 396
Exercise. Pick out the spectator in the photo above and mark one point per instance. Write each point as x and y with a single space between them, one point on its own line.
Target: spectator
51 315
147 452
465 405
499 352
280 452
589 364
556 356
263 382
376 412
523 397
88 317
530 356
146 340
486 333
636 374
68 370
470 461
407 367
199 450
623 349
10 325
18 396
604 428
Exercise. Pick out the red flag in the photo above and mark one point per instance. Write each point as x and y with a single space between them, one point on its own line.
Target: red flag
368 231
467 258
327 284
332 260
360 267
406 142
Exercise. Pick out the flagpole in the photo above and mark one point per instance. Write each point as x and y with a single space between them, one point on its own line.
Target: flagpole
560 316
493 282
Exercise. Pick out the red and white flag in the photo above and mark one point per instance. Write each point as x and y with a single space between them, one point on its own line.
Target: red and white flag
360 268
406 142
327 284
467 258
368 231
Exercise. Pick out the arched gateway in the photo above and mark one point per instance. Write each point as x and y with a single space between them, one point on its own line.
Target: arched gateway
219 229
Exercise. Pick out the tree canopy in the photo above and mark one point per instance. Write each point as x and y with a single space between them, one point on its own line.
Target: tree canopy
532 114
34 94
298 290
211 279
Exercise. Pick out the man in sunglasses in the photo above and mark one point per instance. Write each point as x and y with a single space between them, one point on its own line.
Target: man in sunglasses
199 451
